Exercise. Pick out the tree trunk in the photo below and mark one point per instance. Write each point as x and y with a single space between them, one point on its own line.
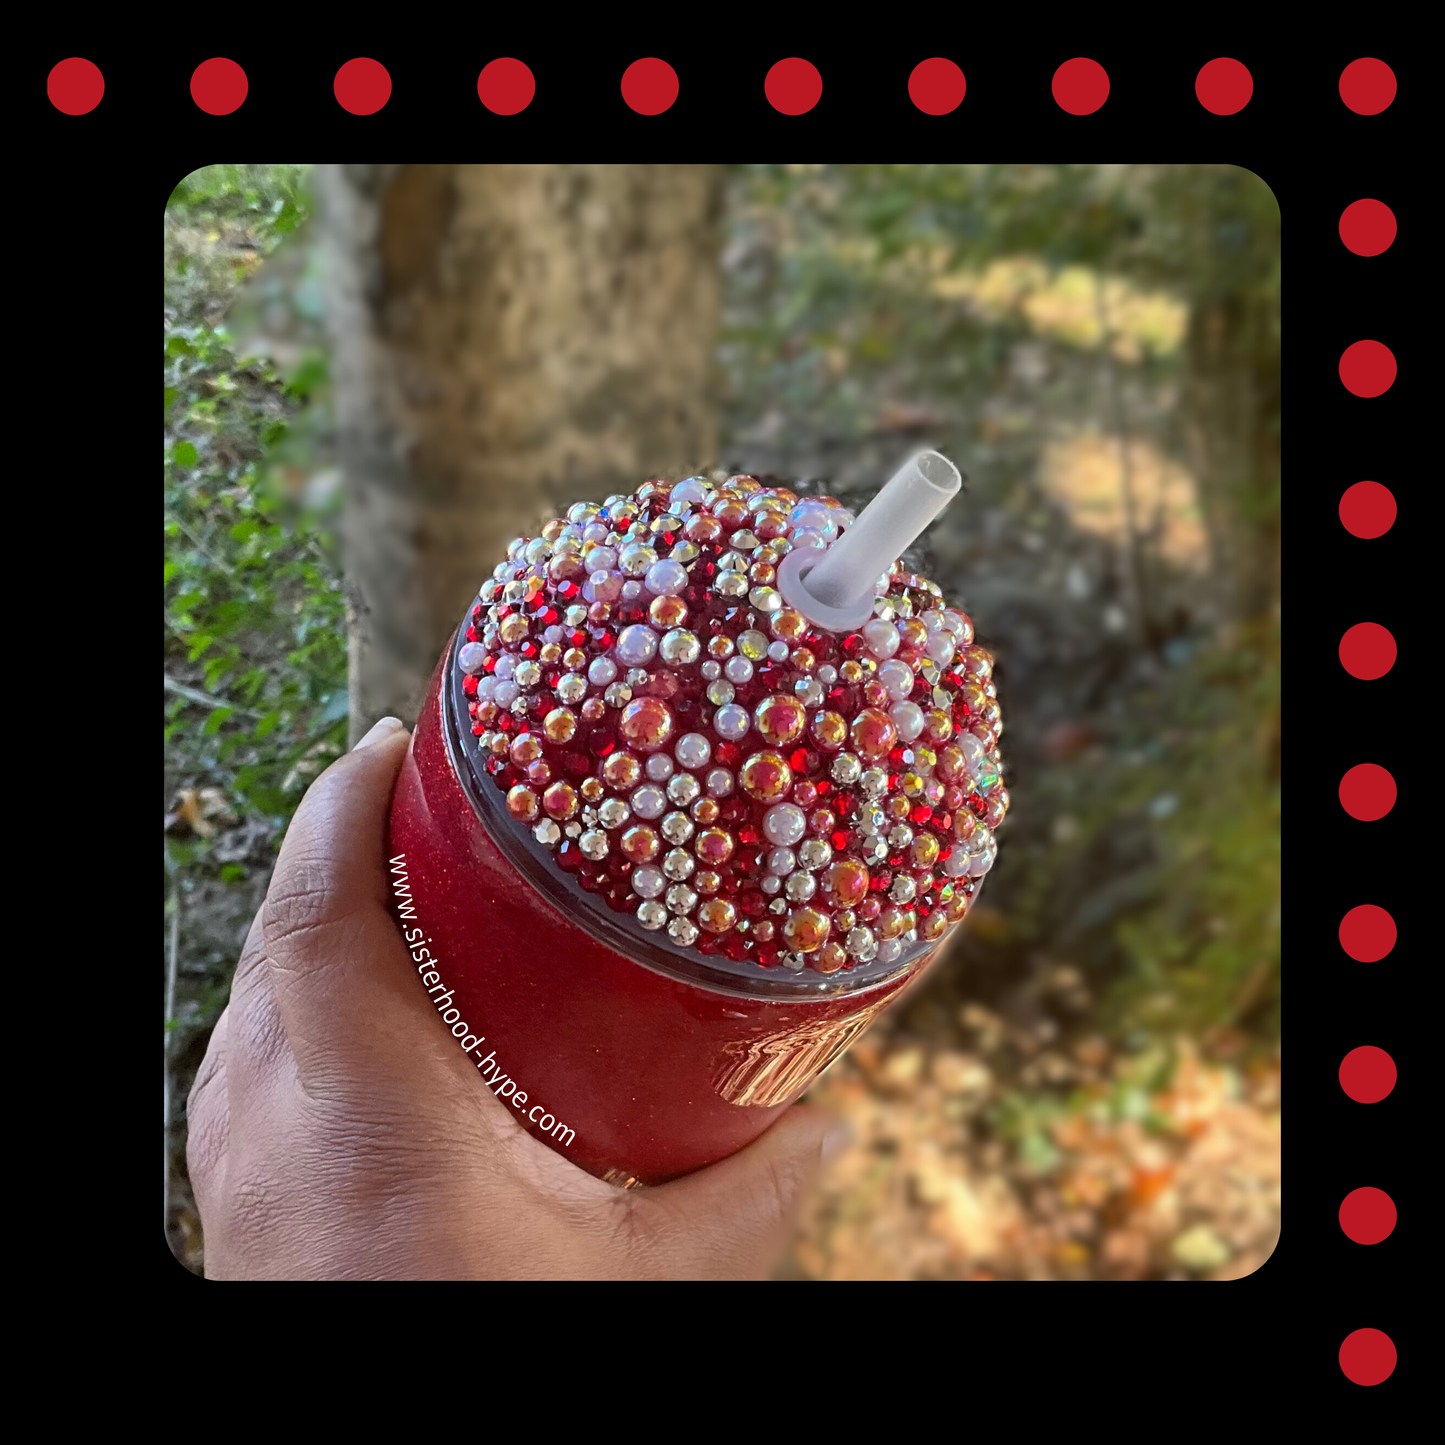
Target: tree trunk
506 340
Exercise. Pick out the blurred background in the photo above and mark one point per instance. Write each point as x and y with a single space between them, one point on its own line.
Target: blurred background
1088 1088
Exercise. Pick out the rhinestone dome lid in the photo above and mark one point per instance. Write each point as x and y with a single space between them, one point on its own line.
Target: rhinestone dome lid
697 754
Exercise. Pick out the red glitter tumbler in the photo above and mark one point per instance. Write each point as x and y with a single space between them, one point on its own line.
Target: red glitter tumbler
700 786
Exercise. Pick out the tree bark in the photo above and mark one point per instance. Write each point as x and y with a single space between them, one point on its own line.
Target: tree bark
506 340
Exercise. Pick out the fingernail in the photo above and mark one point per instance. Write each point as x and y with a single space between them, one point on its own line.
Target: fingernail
836 1140
383 727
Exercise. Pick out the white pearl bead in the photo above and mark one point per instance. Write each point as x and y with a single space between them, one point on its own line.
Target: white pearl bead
693 750
731 721
908 719
784 824
880 637
636 644
471 656
647 881
600 559
648 801
666 578
659 767
897 677
940 647
601 671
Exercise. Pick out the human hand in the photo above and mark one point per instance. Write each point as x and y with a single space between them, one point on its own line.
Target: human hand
337 1132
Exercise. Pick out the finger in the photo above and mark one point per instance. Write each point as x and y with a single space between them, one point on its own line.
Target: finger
334 957
208 1116
733 1220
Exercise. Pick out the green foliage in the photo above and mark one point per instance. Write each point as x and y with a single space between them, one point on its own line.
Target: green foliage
255 636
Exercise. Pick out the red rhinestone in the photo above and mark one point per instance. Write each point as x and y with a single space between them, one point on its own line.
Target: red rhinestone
469 685
576 765
767 954
567 590
508 776
477 730
477 610
752 903
841 839
921 814
579 638
710 943
731 884
506 722
798 760
568 855
748 834
528 649
471 634
590 881
736 947
602 741
621 899
880 880
853 644
727 753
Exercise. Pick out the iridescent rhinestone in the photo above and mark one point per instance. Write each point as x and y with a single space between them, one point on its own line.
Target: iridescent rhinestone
815 853
730 584
681 898
800 887
846 769
613 813
682 788
719 692
753 645
765 599
902 889
547 833
677 827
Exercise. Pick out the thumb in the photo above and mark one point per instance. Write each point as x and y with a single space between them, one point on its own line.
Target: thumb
733 1219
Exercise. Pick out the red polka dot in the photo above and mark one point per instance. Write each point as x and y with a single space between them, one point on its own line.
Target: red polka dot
1367 1074
1368 1357
793 86
1367 1215
1367 86
1367 933
75 86
1224 87
218 86
1081 86
506 86
1367 651
1367 792
1368 368
1368 510
1367 227
649 86
936 86
362 86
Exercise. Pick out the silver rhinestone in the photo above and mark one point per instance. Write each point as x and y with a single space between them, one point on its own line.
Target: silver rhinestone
593 845
547 833
875 850
683 788
870 819
576 616
808 691
800 887
778 906
846 769
571 688
677 828
730 584
795 961
765 599
636 676
874 781
617 695
902 889
613 813
901 836
815 853
732 562
681 898
572 830
528 674
679 865
861 944
680 930
684 552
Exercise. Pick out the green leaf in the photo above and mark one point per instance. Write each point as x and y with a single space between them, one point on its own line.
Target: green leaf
170 571
179 346
171 395
267 725
183 454
216 720
233 873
